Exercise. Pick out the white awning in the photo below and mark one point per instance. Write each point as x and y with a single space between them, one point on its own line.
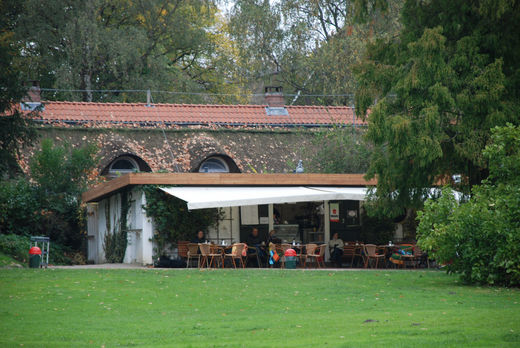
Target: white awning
217 197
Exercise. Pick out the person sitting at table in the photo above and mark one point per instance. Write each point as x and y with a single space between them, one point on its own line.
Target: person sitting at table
336 249
199 238
272 238
254 243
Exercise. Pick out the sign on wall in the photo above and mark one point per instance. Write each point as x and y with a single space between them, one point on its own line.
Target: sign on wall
334 212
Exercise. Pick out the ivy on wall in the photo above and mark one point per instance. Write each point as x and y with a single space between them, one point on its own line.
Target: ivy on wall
173 221
116 238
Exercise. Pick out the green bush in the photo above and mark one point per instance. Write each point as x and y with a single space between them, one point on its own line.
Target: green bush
480 239
376 229
51 205
15 246
173 221
20 211
18 248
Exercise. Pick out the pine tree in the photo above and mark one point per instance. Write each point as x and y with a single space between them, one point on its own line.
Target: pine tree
439 87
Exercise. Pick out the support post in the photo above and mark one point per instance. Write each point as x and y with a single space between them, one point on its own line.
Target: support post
326 237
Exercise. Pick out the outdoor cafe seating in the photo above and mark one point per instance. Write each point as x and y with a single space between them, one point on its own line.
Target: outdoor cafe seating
356 254
192 254
236 254
371 254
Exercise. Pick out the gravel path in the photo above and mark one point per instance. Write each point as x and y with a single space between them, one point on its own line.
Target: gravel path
103 266
136 266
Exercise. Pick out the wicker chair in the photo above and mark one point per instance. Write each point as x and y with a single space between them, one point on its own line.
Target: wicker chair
182 247
310 250
349 252
208 256
371 254
320 256
236 253
283 248
192 254
252 253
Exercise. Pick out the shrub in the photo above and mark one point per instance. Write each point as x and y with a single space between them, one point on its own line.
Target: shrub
15 246
376 229
172 219
18 248
480 239
20 211
50 206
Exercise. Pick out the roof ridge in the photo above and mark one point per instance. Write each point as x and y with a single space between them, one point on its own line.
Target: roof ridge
66 102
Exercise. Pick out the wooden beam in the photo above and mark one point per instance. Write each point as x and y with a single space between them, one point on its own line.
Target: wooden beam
224 179
99 191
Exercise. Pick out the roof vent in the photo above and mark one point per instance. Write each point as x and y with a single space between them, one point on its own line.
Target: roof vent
276 111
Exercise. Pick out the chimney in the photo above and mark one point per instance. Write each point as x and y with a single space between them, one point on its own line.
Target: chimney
274 96
33 93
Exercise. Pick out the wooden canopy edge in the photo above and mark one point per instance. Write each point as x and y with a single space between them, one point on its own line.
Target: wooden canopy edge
103 190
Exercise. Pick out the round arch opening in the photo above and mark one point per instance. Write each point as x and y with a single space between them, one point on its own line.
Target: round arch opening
217 164
125 164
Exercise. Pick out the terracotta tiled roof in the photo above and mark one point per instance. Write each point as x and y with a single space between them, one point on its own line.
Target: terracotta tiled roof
187 114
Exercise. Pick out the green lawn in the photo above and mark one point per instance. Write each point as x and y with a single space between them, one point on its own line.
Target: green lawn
8 261
264 308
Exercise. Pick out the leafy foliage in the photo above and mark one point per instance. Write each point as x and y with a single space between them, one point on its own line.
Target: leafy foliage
18 248
19 208
449 77
116 237
15 129
173 221
340 150
309 47
62 174
480 239
51 205
62 170
114 244
164 45
376 229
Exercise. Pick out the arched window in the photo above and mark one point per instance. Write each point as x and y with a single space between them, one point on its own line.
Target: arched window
123 165
214 165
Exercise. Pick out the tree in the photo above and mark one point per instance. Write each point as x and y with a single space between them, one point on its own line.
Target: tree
340 150
480 239
62 174
15 129
125 45
309 47
449 77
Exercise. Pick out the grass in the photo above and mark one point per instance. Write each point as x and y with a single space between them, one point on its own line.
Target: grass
8 261
252 308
